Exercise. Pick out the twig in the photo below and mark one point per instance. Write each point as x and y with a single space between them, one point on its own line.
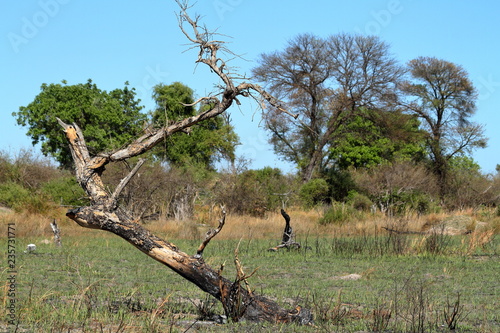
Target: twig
209 99
240 275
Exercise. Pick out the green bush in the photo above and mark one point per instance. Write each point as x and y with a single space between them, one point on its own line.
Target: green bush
338 213
64 191
17 197
314 192
13 195
400 203
359 201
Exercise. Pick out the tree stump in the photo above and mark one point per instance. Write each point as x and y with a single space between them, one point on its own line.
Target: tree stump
57 233
288 239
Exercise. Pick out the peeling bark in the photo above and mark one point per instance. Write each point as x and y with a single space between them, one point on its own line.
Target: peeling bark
57 233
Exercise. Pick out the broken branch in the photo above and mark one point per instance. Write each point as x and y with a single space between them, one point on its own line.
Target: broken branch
287 239
211 234
123 183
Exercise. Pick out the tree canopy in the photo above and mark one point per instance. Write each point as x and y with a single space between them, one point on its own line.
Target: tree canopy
375 137
325 82
444 99
108 119
205 144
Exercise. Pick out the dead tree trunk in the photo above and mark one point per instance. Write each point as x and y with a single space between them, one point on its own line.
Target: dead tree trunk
104 212
57 233
288 239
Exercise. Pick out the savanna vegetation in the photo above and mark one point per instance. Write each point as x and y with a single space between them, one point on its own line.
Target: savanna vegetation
396 222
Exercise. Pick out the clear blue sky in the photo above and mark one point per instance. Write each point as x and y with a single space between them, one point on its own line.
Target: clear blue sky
113 41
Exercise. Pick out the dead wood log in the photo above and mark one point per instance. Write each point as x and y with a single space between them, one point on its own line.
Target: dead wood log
288 238
104 212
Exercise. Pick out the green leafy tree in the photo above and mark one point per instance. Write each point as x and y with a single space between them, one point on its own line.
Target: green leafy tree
108 119
375 137
444 98
207 143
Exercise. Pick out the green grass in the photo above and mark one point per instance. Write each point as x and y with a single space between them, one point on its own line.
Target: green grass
103 284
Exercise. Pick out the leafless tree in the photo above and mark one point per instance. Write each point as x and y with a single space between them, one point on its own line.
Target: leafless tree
104 212
444 98
325 82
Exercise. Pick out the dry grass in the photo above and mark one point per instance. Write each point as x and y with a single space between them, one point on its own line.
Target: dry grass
37 226
304 223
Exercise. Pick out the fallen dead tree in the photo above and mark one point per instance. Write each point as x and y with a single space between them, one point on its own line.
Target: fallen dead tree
105 213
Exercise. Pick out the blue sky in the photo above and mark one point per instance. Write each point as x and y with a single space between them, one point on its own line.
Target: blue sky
113 41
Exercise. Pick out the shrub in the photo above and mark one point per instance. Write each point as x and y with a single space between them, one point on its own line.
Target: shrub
64 191
241 193
338 213
252 192
26 169
20 199
314 192
398 187
156 190
340 182
13 195
360 201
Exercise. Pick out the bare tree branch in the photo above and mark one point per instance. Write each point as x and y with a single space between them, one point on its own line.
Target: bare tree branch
209 100
123 183
211 234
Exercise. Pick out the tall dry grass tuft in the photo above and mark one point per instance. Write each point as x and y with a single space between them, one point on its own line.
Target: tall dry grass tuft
478 239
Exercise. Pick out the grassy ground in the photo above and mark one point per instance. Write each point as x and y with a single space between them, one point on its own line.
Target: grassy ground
353 277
